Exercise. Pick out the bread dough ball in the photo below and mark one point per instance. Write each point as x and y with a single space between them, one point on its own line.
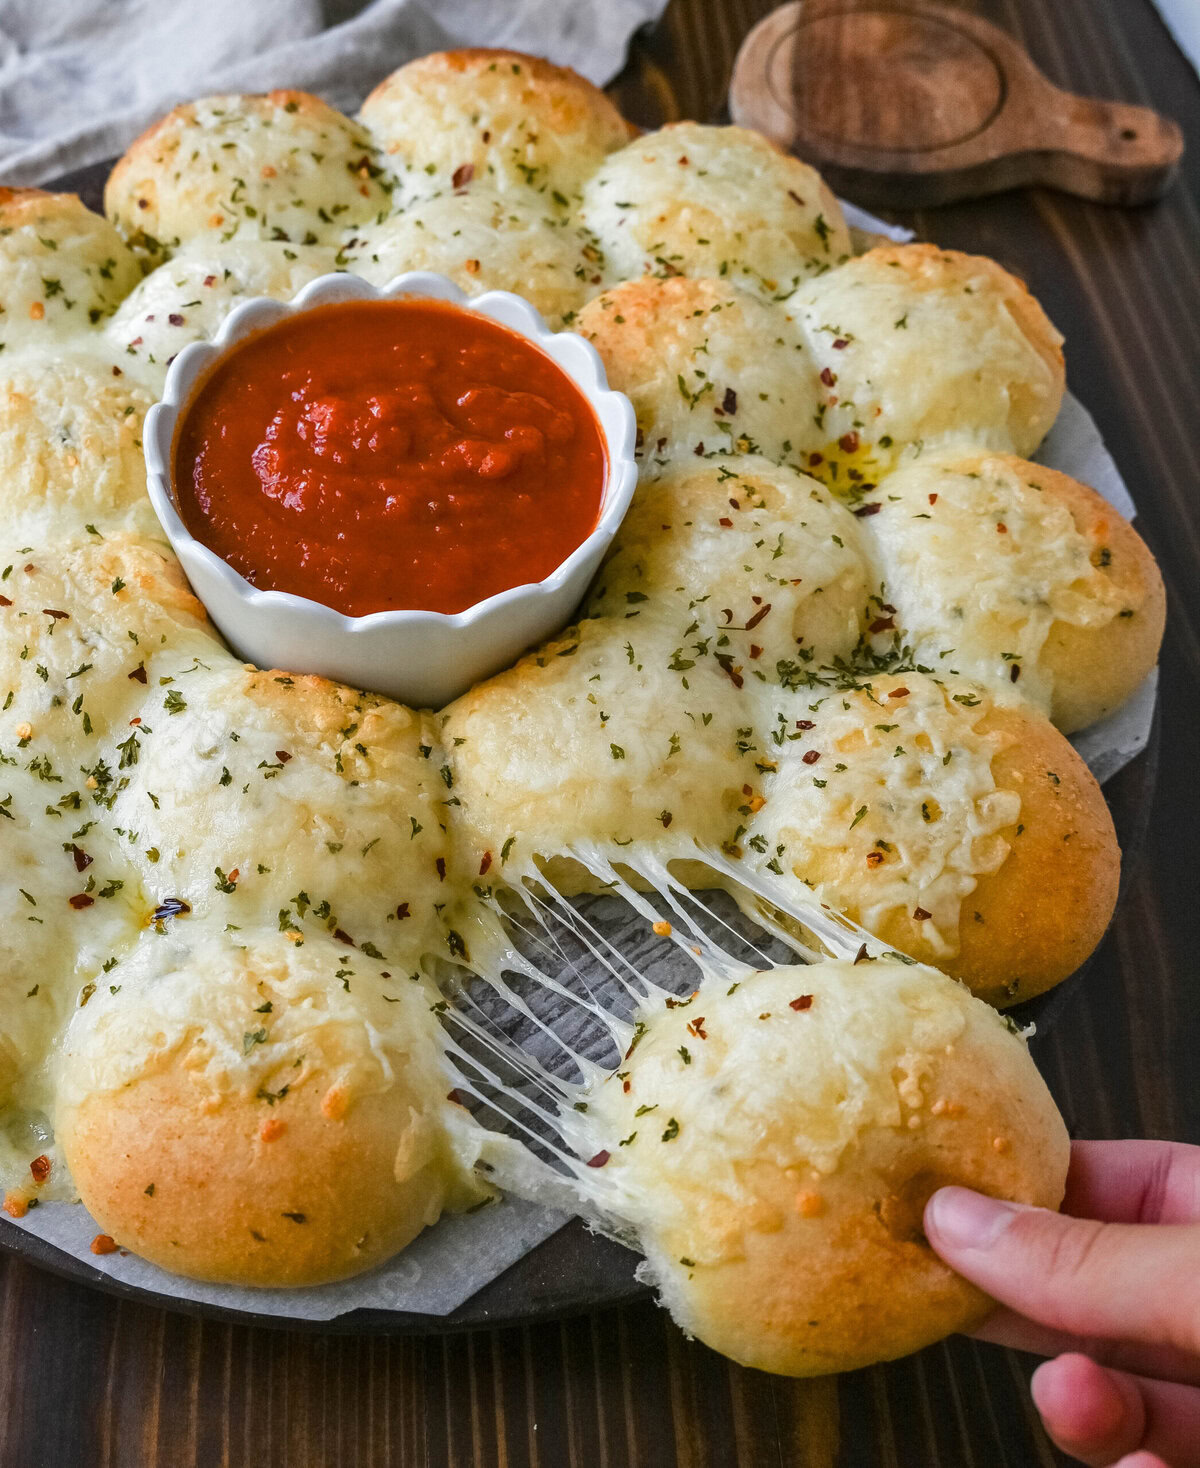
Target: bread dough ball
484 240
611 739
909 346
284 166
1021 578
709 368
234 1111
495 117
759 563
63 268
187 298
714 201
774 1145
70 450
81 622
954 829
289 801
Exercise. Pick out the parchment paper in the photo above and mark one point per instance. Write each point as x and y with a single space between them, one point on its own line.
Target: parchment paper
460 1254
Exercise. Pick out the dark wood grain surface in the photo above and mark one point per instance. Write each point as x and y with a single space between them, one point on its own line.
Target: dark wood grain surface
87 1379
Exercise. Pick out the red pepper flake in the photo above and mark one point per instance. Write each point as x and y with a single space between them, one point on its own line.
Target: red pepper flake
175 319
40 1168
599 1160
626 1086
697 1028
459 1098
874 858
103 1244
755 652
828 376
848 443
485 863
234 875
729 401
1014 672
757 617
462 175
683 160
210 280
699 450
666 818
862 955
803 1002
139 674
921 915
933 499
402 911
343 937
840 343
882 624
81 858
57 615
815 459
441 868
1001 528
282 756
898 693
135 721
81 900
805 724
871 509
811 756
5 601
726 522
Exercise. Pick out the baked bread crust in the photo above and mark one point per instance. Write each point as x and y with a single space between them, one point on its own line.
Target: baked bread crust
776 1145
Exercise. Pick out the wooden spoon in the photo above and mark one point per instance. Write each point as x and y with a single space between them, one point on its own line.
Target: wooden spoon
910 104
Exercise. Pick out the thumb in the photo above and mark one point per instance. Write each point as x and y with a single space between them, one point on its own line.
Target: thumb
1133 1282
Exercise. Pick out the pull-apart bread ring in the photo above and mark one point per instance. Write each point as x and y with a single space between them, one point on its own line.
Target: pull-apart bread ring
829 648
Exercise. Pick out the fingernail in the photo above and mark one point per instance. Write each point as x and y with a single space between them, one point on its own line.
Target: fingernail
962 1219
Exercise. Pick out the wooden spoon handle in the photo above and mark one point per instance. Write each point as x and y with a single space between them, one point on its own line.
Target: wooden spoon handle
1113 152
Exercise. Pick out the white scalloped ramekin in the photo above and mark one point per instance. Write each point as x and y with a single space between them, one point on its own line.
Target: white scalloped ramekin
422 658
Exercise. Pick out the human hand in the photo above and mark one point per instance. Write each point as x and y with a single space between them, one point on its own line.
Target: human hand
1110 1288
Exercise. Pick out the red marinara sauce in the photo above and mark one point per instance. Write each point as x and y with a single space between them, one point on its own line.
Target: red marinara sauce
376 455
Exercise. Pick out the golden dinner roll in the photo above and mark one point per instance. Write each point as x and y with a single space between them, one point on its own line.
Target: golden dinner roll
910 345
754 560
63 269
714 201
263 797
611 739
71 449
244 1109
957 830
284 166
186 298
1018 577
774 1143
493 117
485 239
78 625
709 368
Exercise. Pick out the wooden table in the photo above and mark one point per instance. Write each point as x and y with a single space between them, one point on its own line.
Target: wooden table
88 1380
